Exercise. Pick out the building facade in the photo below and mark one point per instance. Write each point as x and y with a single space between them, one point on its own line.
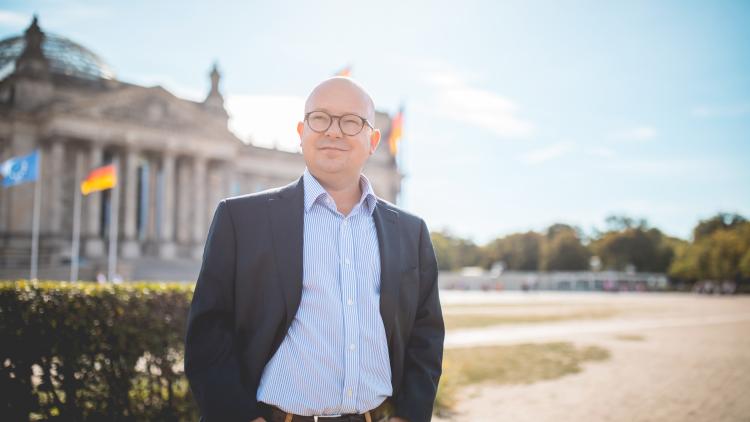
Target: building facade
176 160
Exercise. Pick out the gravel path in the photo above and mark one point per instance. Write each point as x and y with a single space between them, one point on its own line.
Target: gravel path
688 359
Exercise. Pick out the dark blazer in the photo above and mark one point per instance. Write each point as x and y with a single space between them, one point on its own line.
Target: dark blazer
250 286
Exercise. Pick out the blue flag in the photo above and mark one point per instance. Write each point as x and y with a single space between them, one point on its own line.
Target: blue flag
19 170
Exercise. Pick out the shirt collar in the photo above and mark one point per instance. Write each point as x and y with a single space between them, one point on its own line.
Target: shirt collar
314 191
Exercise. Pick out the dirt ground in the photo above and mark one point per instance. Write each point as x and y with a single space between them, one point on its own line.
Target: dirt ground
673 358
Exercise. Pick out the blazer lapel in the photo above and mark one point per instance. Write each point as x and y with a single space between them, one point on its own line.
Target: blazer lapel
287 218
387 227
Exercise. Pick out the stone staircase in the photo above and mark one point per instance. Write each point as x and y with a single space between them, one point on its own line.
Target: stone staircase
15 264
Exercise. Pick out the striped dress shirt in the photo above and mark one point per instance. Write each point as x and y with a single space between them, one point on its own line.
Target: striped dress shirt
334 358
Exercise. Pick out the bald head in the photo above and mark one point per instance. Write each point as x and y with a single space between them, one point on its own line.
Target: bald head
333 157
325 94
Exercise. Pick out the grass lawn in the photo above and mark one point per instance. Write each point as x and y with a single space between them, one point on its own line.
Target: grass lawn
515 364
477 320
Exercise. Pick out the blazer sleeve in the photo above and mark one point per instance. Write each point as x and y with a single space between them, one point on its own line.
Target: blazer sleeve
211 359
423 356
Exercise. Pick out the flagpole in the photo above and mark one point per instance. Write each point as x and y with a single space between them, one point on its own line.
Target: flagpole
75 244
113 212
35 221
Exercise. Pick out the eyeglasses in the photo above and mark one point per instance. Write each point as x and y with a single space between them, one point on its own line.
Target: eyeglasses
350 124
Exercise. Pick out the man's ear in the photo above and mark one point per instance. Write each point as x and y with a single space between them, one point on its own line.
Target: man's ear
374 140
300 128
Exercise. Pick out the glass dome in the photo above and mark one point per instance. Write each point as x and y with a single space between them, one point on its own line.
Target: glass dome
65 58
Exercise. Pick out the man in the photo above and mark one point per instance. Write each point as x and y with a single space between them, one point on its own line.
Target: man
318 298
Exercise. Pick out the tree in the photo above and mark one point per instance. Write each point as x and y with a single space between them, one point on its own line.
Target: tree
630 242
725 250
453 252
443 251
745 264
720 221
519 251
562 250
720 251
682 266
618 223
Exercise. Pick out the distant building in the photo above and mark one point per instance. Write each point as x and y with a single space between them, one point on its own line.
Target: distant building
177 160
554 280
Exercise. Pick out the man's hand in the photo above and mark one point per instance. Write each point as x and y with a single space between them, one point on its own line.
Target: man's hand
258 420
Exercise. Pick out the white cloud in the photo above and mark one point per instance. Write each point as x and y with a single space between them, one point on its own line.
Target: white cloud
266 120
13 19
640 133
544 154
455 99
737 110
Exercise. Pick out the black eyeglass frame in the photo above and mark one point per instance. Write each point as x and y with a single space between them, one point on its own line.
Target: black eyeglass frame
331 117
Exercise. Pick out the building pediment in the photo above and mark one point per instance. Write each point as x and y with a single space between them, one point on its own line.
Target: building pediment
152 107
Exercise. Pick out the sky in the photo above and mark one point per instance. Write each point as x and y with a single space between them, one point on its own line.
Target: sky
518 114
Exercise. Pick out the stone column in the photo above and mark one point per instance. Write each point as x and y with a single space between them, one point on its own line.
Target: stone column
20 198
199 209
118 156
167 248
55 171
152 209
94 245
130 247
221 184
184 203
232 181
80 168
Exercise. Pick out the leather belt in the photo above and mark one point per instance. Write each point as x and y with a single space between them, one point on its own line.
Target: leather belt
374 415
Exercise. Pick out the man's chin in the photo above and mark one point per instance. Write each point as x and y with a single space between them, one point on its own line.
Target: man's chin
332 162
333 154
327 168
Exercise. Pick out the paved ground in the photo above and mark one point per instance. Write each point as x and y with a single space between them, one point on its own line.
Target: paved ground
673 358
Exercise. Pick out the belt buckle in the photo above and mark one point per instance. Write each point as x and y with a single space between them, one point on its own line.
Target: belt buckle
315 418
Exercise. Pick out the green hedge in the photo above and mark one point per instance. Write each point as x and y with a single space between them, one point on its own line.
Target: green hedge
87 351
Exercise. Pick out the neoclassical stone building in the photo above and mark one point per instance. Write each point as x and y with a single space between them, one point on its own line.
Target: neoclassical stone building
176 159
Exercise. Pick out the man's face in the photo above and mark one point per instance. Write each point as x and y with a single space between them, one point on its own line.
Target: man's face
331 152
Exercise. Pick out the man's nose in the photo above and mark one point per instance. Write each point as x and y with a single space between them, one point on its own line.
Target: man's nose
334 130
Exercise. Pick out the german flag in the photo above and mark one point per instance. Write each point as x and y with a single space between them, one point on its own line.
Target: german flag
344 71
397 124
101 178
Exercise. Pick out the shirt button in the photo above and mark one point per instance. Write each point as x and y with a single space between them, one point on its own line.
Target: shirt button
346 223
351 346
349 302
349 393
346 261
